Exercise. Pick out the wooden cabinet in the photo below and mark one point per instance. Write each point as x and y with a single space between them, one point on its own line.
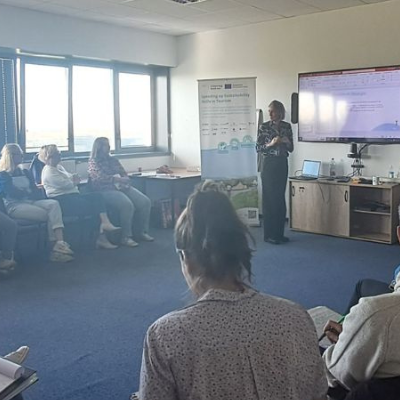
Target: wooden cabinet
363 212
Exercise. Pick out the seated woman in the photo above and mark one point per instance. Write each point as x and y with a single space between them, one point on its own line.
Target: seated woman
367 346
24 200
233 342
107 176
62 186
8 238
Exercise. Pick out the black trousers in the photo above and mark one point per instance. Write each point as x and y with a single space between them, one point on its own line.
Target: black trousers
374 389
274 176
367 288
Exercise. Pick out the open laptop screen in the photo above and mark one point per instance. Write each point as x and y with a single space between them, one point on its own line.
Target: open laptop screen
311 168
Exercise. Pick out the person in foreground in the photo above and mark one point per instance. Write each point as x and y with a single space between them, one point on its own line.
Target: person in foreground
62 186
274 143
108 177
365 354
24 200
233 342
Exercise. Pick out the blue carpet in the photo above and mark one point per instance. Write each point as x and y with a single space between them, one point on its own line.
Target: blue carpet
85 321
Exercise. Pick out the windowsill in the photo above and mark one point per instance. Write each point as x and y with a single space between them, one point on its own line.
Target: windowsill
82 158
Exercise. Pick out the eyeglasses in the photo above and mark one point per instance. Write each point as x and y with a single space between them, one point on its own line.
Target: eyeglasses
181 253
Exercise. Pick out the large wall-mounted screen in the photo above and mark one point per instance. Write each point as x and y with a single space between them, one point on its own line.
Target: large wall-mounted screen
360 105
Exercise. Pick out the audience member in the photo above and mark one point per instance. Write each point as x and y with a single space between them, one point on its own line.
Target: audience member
366 348
233 342
108 177
63 187
371 287
24 200
8 238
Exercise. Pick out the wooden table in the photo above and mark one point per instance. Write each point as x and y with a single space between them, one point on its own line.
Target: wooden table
175 187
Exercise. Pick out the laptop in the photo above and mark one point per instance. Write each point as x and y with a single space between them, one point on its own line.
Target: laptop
310 171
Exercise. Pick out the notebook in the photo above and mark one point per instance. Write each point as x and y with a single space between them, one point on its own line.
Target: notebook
310 170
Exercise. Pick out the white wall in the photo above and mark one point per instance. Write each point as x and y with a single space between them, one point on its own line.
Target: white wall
275 52
59 35
53 34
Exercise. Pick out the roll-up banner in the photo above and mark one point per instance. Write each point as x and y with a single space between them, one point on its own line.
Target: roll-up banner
228 133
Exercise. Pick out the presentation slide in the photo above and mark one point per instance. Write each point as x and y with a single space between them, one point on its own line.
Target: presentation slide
357 105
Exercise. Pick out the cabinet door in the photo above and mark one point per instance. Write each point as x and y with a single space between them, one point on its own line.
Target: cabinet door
337 220
320 208
305 208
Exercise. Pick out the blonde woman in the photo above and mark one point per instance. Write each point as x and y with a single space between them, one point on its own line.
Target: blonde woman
108 177
63 187
24 200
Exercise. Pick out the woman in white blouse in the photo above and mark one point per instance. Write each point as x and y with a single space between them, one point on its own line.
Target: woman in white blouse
63 186
233 342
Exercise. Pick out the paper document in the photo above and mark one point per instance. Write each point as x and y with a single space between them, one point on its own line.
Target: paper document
9 372
321 315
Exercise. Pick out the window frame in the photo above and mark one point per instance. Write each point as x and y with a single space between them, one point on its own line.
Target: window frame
157 146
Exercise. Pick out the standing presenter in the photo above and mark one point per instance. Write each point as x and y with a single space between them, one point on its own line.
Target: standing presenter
274 142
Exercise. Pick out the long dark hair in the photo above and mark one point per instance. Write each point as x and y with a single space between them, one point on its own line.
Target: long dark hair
211 234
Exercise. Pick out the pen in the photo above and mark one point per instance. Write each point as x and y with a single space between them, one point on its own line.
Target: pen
341 319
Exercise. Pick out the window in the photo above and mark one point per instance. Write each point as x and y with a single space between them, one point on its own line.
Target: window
70 101
46 106
135 109
93 106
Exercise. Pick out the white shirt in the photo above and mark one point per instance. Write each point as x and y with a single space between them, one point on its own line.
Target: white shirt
57 181
236 346
369 345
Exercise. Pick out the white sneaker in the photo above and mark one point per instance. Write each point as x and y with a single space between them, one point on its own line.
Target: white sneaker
18 356
103 243
56 256
7 265
146 237
109 227
129 242
62 247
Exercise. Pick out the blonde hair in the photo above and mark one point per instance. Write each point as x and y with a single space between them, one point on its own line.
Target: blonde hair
46 152
97 145
7 161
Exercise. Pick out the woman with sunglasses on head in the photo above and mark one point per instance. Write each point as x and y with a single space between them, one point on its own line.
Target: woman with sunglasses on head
63 187
233 342
24 200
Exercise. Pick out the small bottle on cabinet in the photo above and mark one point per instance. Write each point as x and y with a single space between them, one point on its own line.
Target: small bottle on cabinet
391 172
332 168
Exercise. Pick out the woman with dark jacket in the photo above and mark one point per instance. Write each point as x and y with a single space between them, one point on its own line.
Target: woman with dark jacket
274 142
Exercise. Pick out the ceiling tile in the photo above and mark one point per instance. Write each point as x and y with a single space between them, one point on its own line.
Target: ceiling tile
165 7
332 4
285 8
214 5
119 10
249 14
81 4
